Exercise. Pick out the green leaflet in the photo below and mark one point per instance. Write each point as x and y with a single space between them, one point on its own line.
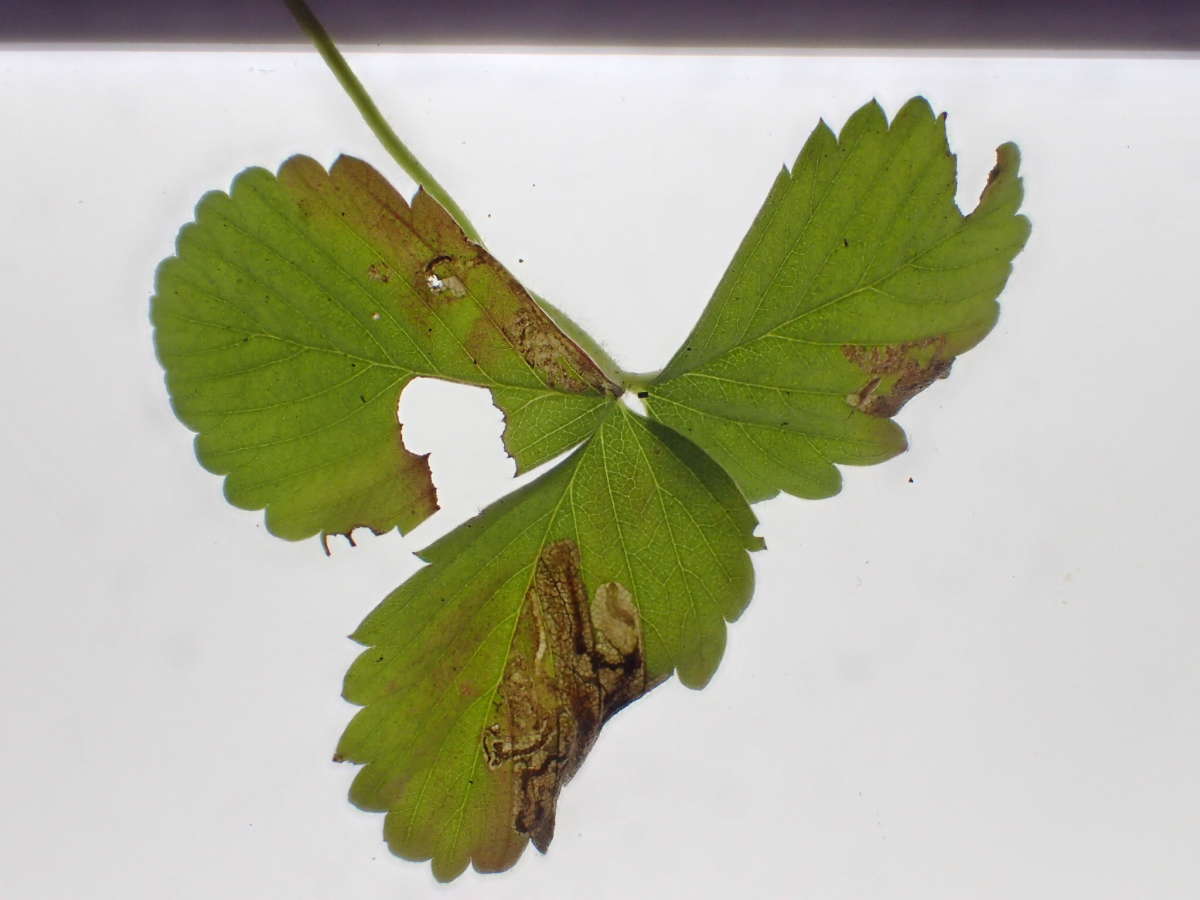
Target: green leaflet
856 286
296 310
647 511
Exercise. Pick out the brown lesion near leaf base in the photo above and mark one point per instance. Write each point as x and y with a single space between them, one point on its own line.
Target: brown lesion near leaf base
556 358
448 267
897 372
575 663
551 353
429 263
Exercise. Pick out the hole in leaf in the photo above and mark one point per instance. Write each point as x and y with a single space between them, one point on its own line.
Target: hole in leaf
457 425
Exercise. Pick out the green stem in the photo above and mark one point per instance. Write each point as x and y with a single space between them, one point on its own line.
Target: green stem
638 382
373 117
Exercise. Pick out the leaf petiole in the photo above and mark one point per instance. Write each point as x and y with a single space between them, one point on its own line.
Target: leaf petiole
308 21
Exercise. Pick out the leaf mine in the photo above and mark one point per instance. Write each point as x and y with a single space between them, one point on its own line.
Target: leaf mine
587 662
899 372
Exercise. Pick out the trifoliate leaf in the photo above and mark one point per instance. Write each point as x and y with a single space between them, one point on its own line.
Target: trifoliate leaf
296 310
489 673
856 287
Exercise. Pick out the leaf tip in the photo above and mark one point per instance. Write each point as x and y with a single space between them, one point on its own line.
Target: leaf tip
349 165
1003 182
1008 162
696 677
298 171
446 871
919 106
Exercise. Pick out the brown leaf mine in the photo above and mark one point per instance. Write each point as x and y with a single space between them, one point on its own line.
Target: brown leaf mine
898 373
573 665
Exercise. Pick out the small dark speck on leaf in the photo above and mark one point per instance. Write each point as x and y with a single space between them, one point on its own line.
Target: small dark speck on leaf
379 659
845 242
642 395
362 398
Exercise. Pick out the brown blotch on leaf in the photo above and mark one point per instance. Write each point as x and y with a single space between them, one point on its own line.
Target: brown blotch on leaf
546 349
528 328
579 662
422 247
898 373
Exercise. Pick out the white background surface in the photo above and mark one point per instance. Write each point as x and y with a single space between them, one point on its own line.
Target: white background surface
981 683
